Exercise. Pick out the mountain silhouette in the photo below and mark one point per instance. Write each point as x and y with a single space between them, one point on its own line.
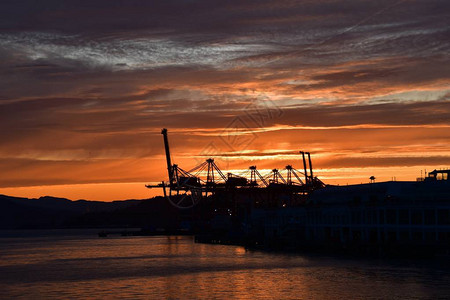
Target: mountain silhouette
51 212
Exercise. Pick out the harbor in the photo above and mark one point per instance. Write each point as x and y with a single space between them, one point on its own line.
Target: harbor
298 211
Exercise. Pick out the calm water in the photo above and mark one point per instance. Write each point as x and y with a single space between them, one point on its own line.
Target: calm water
84 266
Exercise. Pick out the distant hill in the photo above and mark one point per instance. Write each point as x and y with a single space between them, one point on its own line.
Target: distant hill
51 212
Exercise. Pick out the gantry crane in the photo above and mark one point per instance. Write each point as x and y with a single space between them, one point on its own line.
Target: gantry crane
185 189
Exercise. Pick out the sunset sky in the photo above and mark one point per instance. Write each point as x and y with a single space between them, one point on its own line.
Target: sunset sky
86 87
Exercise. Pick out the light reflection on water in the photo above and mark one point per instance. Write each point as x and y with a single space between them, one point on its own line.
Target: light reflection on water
177 268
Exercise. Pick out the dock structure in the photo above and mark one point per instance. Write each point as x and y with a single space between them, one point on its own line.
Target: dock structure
298 211
400 217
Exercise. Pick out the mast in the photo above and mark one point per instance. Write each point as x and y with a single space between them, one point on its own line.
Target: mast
304 167
310 167
166 146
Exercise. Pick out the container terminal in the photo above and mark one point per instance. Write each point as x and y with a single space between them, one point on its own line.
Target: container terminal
293 209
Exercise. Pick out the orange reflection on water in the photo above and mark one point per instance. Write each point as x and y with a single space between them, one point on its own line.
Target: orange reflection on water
178 268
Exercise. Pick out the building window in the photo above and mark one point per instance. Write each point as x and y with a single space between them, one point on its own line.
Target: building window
430 236
373 237
429 217
443 217
416 217
391 236
417 236
403 216
381 214
391 217
356 236
404 236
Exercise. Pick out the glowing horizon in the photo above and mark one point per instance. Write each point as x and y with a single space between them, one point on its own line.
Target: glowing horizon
364 87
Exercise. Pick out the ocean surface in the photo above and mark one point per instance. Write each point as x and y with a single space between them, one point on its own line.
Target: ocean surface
78 264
